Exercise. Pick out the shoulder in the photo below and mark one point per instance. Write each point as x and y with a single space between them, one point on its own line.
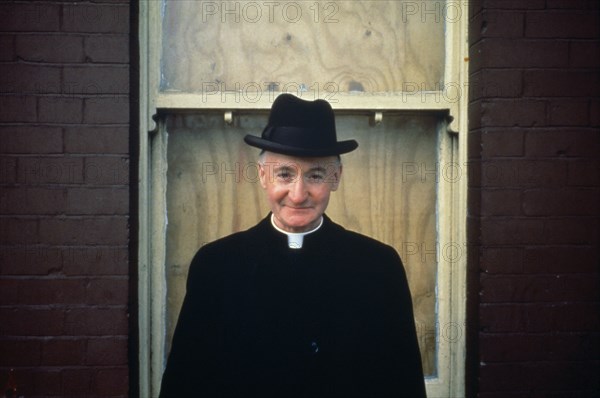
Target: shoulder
353 241
237 241
227 251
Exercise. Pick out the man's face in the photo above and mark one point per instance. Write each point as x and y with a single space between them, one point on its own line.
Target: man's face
298 189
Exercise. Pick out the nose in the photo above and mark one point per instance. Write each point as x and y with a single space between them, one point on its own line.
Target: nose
298 192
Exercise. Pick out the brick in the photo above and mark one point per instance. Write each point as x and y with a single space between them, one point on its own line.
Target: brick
92 139
26 78
111 110
41 382
70 261
538 288
50 48
51 291
18 231
539 317
18 108
527 376
107 291
107 351
502 23
523 173
515 4
91 261
508 53
509 113
112 381
29 201
107 170
538 347
501 202
561 259
8 170
474 114
31 322
20 353
30 260
576 317
501 143
513 231
31 139
96 79
63 352
516 317
502 260
584 54
10 290
475 8
559 143
568 113
562 4
96 322
96 18
60 110
572 230
86 231
561 202
77 382
113 49
560 83
474 202
8 48
98 201
50 170
30 17
594 113
583 173
564 24
496 83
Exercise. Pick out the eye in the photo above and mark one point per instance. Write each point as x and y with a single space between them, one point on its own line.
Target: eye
284 175
316 177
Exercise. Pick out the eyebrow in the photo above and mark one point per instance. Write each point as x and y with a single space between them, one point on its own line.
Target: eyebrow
311 170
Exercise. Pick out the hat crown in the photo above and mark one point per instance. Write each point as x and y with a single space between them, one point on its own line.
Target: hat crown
302 128
291 111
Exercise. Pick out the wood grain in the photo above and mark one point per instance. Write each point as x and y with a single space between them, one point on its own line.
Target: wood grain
369 46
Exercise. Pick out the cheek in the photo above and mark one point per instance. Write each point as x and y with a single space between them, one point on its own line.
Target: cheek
322 196
275 193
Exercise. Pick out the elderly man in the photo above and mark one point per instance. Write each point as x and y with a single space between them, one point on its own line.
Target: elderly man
296 306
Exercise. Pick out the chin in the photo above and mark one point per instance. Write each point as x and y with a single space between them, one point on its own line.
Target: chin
297 222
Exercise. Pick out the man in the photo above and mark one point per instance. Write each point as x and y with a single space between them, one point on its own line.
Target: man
296 306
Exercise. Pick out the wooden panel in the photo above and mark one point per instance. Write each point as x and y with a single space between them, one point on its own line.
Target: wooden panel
388 191
325 46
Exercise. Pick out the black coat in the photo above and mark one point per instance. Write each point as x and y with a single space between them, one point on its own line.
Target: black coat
333 319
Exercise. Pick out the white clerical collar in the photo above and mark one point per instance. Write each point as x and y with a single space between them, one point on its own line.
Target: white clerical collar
295 239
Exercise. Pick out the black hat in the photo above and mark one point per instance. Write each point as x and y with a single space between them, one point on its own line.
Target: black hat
303 128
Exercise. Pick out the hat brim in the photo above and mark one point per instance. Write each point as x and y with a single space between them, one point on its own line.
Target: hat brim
339 148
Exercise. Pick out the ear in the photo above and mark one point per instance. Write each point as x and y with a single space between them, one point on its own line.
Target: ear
262 175
336 176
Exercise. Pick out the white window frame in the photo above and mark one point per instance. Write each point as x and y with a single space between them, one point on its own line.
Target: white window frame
452 193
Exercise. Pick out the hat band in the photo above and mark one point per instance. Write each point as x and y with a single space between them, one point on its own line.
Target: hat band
297 137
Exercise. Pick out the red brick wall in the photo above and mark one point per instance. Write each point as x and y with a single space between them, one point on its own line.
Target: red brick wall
64 202
534 202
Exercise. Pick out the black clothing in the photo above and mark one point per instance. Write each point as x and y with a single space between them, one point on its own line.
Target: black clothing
332 319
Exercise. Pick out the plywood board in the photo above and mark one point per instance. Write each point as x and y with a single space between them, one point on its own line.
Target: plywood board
320 46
